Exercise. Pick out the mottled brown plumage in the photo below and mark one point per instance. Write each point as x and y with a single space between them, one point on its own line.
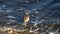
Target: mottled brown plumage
26 17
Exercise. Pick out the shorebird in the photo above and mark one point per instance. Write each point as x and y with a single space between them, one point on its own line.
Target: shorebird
26 18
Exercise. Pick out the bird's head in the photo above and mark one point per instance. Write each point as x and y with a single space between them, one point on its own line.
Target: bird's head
26 13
